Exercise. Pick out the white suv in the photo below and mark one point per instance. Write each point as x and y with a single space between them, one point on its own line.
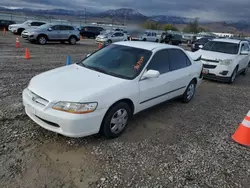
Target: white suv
29 24
224 59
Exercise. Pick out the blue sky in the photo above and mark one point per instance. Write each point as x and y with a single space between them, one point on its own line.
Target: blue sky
212 10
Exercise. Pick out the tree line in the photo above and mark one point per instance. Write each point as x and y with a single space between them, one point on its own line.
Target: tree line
192 27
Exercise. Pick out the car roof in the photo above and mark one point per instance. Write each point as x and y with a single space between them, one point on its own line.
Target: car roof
235 41
146 45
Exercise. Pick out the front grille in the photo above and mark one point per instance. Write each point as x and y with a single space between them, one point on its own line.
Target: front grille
209 66
210 60
37 99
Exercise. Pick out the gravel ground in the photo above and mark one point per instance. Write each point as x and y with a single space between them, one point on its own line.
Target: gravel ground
170 145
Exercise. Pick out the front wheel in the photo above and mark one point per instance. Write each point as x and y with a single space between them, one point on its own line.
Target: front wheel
116 120
189 93
42 40
233 76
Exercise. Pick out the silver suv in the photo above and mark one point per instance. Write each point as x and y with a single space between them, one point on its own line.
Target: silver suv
54 32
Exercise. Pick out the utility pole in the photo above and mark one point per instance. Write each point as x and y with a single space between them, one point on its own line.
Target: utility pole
85 15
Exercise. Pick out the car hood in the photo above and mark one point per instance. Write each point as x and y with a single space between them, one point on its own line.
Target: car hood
214 55
103 36
15 25
72 83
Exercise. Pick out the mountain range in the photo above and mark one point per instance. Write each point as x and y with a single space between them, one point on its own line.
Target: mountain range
129 15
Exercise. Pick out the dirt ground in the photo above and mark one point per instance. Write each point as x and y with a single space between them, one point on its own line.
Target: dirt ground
170 145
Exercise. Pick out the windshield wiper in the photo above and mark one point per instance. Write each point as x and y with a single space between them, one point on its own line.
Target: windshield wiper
95 68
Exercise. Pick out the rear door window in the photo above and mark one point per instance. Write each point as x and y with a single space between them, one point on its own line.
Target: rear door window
178 59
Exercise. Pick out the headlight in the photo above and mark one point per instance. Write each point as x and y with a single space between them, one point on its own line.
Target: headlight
226 62
75 108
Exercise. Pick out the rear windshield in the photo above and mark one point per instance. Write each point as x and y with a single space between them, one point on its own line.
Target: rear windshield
222 47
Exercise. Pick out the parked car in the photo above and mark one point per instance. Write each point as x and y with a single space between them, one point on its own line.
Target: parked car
54 32
170 38
108 38
5 24
224 59
91 31
200 43
19 28
126 78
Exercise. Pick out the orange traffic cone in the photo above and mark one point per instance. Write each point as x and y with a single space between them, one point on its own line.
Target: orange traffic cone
27 54
4 31
17 43
242 134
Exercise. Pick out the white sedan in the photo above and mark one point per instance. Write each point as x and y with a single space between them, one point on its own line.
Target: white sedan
103 91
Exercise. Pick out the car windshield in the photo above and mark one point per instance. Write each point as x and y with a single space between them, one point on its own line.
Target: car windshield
118 60
202 40
44 26
27 22
222 47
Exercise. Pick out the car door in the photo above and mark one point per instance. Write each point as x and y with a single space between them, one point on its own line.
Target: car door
155 90
243 59
149 36
64 32
55 32
115 37
180 73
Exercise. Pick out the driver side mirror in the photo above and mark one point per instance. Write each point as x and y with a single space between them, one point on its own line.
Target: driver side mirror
50 29
29 24
200 46
151 74
244 53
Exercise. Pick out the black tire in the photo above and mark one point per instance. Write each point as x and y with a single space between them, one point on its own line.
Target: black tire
72 40
189 93
109 41
244 73
19 31
157 40
106 127
233 76
42 39
144 39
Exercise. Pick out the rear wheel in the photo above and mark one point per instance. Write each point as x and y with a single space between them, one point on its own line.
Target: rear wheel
109 41
189 93
116 120
72 40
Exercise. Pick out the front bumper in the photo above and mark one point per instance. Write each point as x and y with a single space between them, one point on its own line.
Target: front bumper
70 125
214 77
24 36
218 72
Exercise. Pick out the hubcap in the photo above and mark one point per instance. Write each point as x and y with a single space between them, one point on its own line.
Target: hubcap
119 121
42 40
190 91
73 40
